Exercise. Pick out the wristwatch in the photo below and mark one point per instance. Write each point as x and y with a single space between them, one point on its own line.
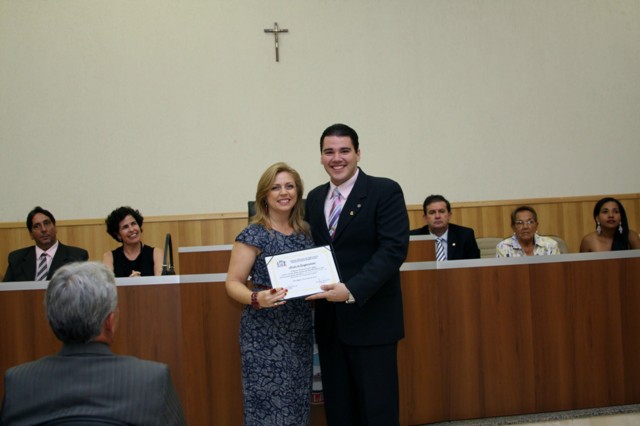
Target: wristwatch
350 299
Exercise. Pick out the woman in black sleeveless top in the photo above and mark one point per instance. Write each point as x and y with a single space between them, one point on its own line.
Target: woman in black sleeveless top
133 258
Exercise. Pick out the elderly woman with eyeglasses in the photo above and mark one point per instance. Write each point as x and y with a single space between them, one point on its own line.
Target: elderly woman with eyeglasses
525 241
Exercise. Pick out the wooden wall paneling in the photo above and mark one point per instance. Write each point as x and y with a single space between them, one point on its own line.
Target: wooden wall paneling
554 348
577 333
211 336
461 343
487 309
597 314
153 311
421 250
420 354
480 341
215 261
503 299
150 327
569 218
25 328
629 299
415 216
211 330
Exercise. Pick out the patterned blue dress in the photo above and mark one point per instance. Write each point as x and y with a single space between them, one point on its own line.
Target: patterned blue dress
276 343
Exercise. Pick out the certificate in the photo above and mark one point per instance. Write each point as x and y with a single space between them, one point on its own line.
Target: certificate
303 272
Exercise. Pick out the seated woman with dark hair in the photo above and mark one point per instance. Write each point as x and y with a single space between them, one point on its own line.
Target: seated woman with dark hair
133 258
612 229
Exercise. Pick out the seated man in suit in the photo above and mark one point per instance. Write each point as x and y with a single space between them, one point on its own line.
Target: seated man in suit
39 262
460 240
86 379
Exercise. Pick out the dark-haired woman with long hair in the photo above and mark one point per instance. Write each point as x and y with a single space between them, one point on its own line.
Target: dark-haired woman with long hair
612 229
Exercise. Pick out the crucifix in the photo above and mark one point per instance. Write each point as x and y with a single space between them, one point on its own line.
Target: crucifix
275 30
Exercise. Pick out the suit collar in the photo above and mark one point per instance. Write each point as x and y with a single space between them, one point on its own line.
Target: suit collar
61 258
79 349
29 264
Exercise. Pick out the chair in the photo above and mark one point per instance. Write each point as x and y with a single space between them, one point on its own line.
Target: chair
562 245
487 246
84 421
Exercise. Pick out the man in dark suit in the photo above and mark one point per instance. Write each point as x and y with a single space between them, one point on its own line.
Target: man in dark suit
359 321
460 240
86 379
46 256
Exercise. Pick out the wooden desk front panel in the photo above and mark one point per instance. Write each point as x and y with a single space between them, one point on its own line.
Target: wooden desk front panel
506 340
480 341
211 322
205 262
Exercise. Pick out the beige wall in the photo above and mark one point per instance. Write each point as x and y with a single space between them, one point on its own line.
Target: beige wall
176 107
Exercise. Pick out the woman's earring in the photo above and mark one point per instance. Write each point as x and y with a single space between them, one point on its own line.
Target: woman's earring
620 227
598 228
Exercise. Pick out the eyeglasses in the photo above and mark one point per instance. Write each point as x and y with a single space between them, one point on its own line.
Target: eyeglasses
521 223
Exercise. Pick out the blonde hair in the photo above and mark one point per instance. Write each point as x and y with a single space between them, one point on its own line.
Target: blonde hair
296 217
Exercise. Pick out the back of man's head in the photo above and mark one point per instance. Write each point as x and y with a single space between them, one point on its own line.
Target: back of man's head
79 298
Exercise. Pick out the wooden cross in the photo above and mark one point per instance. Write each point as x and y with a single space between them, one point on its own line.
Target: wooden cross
275 30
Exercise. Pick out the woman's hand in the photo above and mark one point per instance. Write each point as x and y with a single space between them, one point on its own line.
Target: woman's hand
272 298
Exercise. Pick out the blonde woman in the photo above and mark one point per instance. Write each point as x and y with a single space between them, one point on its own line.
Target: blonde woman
275 335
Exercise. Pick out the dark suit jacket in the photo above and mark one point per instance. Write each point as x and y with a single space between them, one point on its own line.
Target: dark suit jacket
22 262
88 379
461 242
370 245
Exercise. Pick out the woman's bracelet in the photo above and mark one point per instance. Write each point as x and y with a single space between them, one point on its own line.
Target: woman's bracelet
254 300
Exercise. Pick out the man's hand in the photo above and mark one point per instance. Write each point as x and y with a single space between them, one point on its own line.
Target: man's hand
337 292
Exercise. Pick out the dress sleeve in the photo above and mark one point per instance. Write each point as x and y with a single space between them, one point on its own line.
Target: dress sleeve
251 235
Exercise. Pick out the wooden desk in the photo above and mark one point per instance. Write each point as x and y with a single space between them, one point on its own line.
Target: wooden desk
205 259
497 337
422 248
484 338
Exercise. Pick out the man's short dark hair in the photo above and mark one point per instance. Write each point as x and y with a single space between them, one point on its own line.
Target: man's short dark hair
341 130
34 212
434 198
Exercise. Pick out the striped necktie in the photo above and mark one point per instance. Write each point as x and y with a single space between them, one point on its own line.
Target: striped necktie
334 213
41 273
440 254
